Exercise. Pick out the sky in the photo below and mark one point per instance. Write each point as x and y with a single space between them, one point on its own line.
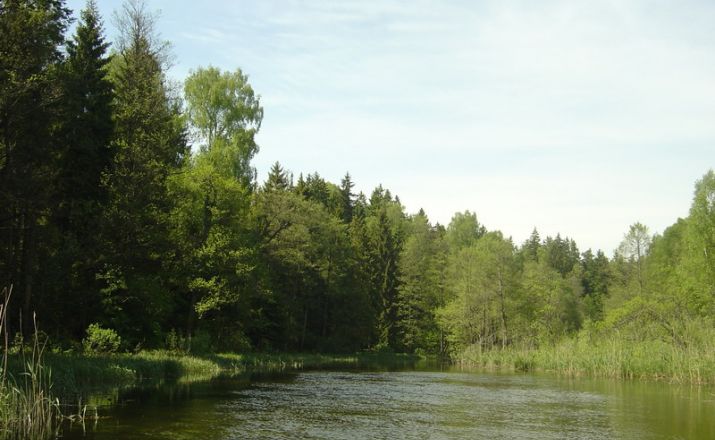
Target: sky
572 117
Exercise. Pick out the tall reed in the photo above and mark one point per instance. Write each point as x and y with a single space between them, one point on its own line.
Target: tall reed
612 355
27 408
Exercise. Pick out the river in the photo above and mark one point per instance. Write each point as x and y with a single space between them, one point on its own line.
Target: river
415 404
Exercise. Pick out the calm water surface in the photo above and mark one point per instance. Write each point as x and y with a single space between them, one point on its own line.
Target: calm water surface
405 405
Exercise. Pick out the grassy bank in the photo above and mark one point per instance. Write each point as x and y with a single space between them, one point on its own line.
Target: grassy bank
72 372
612 357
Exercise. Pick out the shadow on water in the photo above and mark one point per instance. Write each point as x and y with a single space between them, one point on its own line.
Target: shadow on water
416 399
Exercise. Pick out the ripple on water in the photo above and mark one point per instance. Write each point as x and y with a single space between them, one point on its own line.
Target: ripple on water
415 405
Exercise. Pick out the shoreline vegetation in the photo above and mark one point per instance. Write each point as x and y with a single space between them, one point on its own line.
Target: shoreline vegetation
33 393
133 221
612 358
74 372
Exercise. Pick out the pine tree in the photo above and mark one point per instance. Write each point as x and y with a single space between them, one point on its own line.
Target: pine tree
88 127
84 135
530 248
421 289
31 35
595 280
346 195
277 179
150 144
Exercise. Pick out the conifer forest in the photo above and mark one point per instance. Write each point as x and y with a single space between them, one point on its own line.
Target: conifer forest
129 202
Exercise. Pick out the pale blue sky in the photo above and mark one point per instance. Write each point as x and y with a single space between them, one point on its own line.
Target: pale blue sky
579 117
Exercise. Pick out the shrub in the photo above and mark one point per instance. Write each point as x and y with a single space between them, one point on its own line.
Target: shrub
175 342
101 340
200 343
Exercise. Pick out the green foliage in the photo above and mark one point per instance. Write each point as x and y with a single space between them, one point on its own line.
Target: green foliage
422 286
102 195
222 104
596 279
561 254
101 340
226 114
150 145
612 356
384 244
31 37
464 230
278 179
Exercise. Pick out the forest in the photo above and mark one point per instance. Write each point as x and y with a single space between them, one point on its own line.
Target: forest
129 203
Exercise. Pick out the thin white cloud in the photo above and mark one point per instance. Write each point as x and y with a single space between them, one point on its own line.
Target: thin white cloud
573 116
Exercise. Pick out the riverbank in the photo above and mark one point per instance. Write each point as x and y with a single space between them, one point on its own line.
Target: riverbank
71 372
608 358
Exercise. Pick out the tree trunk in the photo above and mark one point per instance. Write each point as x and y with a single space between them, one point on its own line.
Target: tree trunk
27 269
305 326
502 301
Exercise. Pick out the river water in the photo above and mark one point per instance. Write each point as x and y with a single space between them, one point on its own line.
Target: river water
403 405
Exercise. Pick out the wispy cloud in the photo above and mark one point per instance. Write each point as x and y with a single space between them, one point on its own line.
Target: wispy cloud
572 116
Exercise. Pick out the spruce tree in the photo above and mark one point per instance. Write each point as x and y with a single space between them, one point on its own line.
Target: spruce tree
88 118
277 179
150 143
31 36
346 196
84 135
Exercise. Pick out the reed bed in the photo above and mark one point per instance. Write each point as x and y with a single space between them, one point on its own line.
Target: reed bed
28 409
615 356
73 372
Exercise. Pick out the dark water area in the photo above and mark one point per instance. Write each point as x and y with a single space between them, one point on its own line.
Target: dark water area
414 404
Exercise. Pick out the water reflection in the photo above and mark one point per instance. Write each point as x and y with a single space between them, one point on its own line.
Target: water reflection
406 404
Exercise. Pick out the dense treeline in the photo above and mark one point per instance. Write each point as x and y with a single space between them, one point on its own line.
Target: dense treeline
127 203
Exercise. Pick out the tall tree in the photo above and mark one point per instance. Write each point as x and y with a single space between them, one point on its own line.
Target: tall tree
702 221
530 248
83 134
694 274
224 110
346 198
150 144
384 233
384 276
550 306
596 279
634 247
483 280
88 126
314 188
464 230
278 179
421 289
561 254
213 198
31 36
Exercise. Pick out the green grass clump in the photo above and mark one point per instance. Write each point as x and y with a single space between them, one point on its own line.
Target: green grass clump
28 409
74 372
613 356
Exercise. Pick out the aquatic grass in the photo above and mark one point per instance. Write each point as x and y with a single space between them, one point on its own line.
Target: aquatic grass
28 409
75 372
615 356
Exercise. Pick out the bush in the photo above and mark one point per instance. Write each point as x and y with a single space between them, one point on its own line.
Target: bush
101 340
200 343
175 342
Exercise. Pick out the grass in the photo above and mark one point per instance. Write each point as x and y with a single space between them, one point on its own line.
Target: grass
76 372
614 357
28 409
